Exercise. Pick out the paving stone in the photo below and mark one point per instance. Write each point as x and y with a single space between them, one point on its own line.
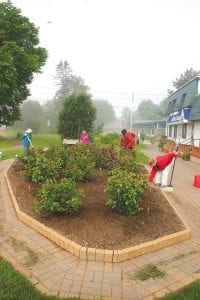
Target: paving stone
60 273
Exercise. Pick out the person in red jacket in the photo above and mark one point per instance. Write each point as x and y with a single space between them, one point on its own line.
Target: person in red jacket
161 166
128 139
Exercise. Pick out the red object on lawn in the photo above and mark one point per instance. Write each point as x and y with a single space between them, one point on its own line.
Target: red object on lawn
197 181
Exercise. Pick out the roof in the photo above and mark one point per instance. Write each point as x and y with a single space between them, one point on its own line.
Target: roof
195 78
195 111
149 121
185 96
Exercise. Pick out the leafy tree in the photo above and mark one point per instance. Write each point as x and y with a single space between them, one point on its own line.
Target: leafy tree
188 75
104 112
31 116
68 82
19 60
147 110
77 114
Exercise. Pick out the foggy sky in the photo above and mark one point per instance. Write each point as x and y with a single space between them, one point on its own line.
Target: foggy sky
124 49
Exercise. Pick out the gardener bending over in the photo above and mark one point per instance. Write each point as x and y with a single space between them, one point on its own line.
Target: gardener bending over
161 166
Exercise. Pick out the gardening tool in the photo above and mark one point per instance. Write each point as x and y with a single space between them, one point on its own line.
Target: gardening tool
30 141
116 151
169 188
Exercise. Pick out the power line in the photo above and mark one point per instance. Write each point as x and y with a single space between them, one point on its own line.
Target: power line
105 92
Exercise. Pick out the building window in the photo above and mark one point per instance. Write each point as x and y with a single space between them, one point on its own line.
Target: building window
170 131
182 101
184 131
174 105
179 132
175 131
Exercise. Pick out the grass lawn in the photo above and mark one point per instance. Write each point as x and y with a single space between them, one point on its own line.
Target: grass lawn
46 140
14 286
38 141
4 143
190 292
12 153
141 157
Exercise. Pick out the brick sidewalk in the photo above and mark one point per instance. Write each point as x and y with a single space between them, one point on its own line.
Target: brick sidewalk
55 271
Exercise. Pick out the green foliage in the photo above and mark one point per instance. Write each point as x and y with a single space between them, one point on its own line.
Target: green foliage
109 139
188 75
125 184
185 155
46 140
39 166
79 164
127 162
78 113
67 81
59 197
4 143
124 190
147 110
13 153
101 156
57 161
190 292
20 58
149 271
141 158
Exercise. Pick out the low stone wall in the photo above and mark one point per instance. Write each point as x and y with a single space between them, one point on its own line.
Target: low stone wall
99 254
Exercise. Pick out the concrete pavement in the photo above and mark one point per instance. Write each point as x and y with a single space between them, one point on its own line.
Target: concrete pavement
55 271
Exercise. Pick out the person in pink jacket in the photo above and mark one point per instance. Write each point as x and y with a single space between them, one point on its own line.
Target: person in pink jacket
84 137
161 166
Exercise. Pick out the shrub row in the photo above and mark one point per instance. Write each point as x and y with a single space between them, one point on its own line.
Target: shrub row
58 169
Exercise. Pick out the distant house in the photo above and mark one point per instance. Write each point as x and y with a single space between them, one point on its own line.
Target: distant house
183 114
150 128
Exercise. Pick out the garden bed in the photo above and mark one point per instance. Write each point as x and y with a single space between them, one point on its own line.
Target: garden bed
97 225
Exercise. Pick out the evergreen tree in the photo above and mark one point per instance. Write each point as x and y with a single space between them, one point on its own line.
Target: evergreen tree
78 113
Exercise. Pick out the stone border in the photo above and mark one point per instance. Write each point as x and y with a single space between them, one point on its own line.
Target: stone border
94 254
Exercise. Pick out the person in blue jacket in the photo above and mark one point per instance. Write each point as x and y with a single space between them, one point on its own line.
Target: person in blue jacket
27 140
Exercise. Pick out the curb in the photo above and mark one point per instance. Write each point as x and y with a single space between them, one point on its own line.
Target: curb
94 254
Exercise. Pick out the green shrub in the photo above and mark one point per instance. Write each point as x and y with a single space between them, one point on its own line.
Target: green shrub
109 139
125 161
185 155
59 197
80 165
39 167
124 190
102 158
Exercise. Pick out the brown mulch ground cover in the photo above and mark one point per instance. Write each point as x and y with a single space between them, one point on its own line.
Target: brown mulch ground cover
97 225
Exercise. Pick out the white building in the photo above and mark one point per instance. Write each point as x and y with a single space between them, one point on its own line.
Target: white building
183 110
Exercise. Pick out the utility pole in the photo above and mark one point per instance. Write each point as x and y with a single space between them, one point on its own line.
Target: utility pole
132 98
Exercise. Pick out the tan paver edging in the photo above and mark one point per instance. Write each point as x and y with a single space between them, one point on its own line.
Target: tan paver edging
93 253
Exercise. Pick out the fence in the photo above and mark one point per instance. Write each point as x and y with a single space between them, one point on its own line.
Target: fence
169 146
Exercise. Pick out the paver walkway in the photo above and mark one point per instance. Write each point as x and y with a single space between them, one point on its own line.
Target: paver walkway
56 271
